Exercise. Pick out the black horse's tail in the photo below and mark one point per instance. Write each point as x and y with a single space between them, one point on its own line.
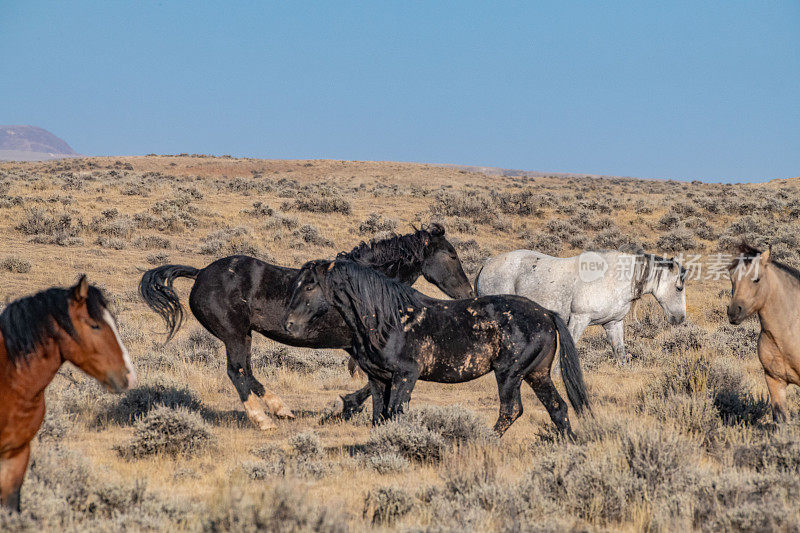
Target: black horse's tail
157 292
571 371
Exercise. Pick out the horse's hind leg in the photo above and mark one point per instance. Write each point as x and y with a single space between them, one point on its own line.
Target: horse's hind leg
12 472
251 392
543 387
510 400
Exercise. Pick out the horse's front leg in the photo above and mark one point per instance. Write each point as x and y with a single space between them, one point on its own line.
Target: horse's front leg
381 393
403 382
12 471
615 334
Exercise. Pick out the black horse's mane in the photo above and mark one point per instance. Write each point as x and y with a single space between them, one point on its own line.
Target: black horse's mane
370 302
396 254
747 253
28 322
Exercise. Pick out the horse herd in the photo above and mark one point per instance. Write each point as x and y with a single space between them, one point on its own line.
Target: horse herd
526 309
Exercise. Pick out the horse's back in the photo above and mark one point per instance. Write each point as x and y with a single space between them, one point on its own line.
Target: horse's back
545 279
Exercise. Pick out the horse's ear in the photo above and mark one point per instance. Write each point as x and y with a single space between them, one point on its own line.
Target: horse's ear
765 256
81 290
436 229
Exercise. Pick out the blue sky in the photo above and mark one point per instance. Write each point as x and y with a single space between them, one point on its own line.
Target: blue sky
687 90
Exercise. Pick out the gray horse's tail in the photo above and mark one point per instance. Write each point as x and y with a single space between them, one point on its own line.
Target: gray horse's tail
571 371
157 292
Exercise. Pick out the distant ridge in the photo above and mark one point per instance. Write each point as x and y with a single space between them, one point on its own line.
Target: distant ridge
29 143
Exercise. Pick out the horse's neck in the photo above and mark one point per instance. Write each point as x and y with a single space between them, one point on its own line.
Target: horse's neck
779 314
28 378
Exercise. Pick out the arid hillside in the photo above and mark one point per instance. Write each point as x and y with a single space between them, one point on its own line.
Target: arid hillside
681 438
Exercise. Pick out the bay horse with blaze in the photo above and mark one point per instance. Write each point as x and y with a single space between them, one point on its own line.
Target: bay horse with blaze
37 334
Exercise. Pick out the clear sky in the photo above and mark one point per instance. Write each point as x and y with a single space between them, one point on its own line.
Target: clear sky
687 90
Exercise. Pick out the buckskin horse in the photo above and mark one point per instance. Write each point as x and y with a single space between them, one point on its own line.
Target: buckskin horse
234 296
38 334
771 289
400 335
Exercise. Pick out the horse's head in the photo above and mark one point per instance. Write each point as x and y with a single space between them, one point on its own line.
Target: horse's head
751 275
308 299
442 266
96 348
669 281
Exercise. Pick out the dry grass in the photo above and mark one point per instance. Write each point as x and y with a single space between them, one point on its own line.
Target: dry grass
680 441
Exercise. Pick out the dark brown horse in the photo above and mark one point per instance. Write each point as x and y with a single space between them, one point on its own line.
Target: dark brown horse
37 334
234 296
400 335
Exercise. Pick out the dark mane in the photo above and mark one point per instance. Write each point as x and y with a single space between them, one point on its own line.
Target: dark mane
28 322
748 252
370 302
397 255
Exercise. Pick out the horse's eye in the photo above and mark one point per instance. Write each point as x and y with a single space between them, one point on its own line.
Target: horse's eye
94 326
309 287
679 289
756 280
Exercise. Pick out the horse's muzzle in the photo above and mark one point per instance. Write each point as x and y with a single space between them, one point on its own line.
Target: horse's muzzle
676 320
735 314
119 382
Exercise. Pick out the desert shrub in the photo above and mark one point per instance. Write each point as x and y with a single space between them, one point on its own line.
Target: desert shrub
320 203
612 239
151 242
460 225
283 509
306 444
310 234
406 438
471 255
739 341
778 450
701 228
517 203
259 209
469 204
280 221
542 242
157 259
561 228
230 241
687 336
50 228
167 431
384 505
656 456
453 422
111 243
677 240
375 223
141 400
387 463
15 265
670 220
298 360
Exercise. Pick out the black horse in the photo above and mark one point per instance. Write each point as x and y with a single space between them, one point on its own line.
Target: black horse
234 296
400 335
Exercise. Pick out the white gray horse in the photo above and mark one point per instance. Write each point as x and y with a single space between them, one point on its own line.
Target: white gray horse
594 288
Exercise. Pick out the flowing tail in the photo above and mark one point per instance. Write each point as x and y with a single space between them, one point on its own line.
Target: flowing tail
571 371
157 292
